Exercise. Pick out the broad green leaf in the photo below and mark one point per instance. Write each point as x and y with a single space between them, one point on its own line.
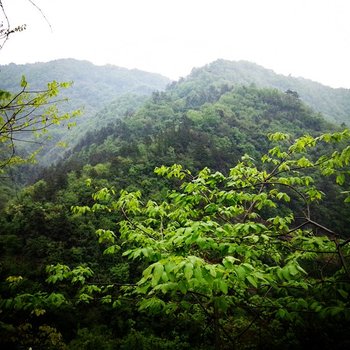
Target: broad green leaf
112 249
252 281
223 286
188 271
157 273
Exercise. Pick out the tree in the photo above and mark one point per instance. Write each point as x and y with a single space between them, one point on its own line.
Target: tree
241 253
25 114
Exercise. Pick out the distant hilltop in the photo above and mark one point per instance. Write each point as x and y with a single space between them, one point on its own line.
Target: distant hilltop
334 104
108 81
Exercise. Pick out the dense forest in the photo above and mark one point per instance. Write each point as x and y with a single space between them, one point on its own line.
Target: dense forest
96 87
93 87
207 213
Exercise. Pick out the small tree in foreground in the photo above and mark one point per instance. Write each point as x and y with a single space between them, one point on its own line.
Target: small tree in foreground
25 116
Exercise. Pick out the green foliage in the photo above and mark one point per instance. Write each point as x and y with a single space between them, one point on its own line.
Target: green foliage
166 131
332 103
114 90
254 254
142 341
214 244
27 112
29 336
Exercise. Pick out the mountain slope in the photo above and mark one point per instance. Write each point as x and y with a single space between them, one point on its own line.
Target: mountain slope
215 134
334 104
211 125
93 88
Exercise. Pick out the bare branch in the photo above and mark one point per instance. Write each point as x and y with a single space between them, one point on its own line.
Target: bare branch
4 33
42 13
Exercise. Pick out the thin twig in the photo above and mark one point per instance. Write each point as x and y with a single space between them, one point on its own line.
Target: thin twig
42 13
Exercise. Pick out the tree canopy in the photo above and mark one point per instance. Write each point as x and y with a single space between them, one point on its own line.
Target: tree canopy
237 259
174 222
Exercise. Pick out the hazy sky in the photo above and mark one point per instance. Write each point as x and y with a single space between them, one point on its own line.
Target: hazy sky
308 38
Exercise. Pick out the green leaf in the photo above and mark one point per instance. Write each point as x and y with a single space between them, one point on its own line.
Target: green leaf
229 261
188 271
23 82
157 273
303 303
340 179
293 270
165 277
241 272
343 293
223 286
282 313
112 249
147 272
198 273
279 273
211 270
252 281
278 136
182 287
286 274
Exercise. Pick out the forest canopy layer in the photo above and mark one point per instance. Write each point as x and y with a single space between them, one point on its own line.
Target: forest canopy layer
208 214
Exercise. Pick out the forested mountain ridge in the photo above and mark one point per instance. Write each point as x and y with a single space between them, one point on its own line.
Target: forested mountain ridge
227 124
93 87
215 132
334 104
207 85
164 227
96 86
78 291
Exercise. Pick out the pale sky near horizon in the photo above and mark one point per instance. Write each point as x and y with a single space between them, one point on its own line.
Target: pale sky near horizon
308 38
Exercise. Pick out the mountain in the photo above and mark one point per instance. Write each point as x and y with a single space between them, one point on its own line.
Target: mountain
96 87
214 130
108 93
334 104
93 88
60 280
196 122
